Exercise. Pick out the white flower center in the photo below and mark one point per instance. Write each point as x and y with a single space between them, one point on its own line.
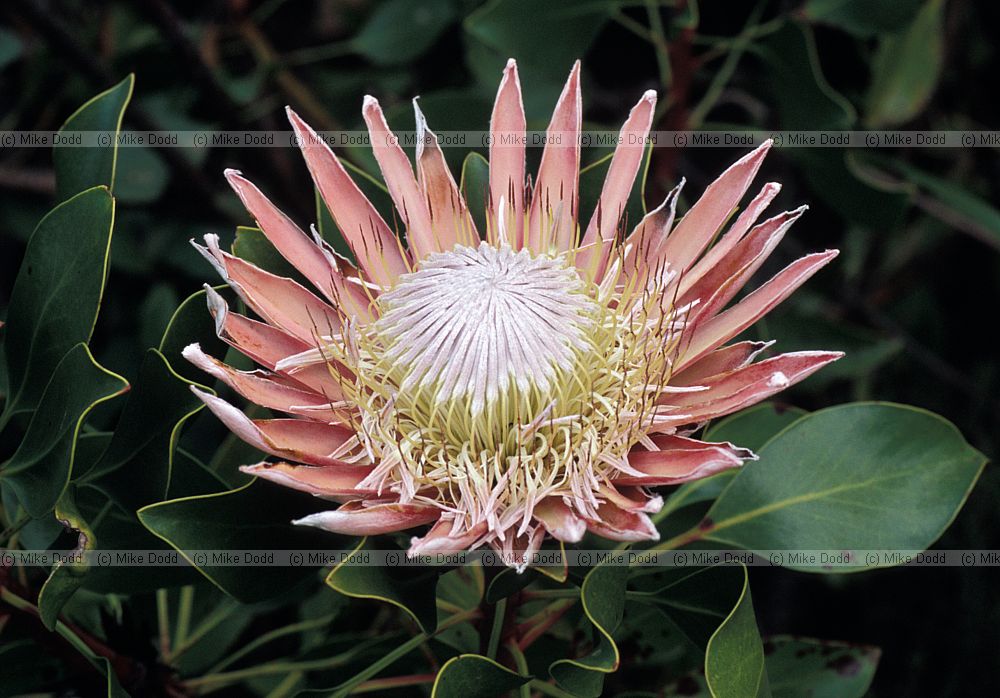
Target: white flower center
473 321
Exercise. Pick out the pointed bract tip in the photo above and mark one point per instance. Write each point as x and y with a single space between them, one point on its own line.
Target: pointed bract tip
649 96
418 113
311 520
295 120
511 64
369 102
230 172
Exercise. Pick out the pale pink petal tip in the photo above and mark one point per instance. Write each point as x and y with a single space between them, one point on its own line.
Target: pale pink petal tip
355 519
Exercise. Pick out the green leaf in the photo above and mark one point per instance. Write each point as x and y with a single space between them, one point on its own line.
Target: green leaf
475 676
11 47
40 469
863 476
805 100
603 598
256 516
734 658
864 350
951 203
252 245
57 293
475 187
410 589
906 69
834 178
82 167
399 31
754 427
65 579
507 582
804 668
527 30
136 468
141 175
695 599
861 18
191 322
751 428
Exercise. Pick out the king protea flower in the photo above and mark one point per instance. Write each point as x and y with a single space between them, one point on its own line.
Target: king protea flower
536 377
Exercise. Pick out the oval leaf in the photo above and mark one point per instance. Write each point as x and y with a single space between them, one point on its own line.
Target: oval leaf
475 676
81 167
41 467
866 476
256 516
57 293
906 68
603 598
412 590
734 659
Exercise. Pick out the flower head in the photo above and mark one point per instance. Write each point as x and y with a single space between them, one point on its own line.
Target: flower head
532 378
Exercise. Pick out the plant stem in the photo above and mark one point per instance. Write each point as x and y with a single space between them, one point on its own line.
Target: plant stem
350 684
286 686
534 627
690 536
725 72
268 637
522 666
163 621
658 37
394 682
206 626
72 638
14 528
499 613
184 608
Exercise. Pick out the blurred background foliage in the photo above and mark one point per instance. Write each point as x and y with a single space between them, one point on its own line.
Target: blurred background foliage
913 298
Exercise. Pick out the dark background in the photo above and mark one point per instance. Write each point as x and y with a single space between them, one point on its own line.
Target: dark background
912 299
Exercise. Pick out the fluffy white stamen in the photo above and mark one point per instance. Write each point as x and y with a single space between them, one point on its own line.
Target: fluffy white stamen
471 321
